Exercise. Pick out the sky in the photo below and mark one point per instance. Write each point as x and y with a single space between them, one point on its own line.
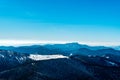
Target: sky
95 22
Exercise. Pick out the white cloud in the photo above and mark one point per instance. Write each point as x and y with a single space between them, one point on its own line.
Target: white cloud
26 42
33 42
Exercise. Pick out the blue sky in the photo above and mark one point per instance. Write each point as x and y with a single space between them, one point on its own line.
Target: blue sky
92 21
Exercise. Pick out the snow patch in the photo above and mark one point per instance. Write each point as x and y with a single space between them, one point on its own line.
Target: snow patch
112 63
1 55
45 57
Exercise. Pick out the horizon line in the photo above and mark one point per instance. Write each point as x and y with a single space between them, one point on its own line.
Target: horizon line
42 42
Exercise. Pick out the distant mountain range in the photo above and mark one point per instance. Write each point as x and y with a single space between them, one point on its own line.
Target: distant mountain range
116 47
64 49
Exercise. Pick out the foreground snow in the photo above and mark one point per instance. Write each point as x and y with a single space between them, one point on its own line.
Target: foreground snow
45 57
